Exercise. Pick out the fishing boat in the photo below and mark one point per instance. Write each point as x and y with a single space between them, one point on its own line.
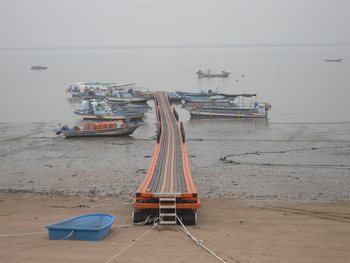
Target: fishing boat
209 92
112 128
90 90
213 98
334 59
238 108
209 73
38 67
123 95
204 96
98 109
90 227
174 96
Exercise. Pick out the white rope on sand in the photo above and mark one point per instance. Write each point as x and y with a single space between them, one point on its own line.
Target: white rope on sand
121 226
183 228
198 242
25 234
131 243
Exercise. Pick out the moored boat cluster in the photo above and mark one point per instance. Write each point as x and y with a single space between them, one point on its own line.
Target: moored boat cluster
111 102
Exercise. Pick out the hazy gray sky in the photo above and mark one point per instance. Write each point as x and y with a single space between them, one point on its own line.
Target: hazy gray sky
76 23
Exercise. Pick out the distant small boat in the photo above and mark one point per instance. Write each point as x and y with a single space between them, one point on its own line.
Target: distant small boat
91 227
334 59
112 128
210 73
38 67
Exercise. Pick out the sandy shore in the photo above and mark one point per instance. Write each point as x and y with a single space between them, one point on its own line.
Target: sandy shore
234 231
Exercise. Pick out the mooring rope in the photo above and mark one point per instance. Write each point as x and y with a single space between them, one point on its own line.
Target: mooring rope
131 243
183 228
71 233
198 242
119 227
24 234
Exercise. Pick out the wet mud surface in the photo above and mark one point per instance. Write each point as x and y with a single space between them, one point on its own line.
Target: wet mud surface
252 160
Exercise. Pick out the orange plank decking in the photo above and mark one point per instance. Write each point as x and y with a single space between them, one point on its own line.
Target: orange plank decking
169 173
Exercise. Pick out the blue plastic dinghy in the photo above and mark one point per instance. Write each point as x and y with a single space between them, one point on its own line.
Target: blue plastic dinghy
92 227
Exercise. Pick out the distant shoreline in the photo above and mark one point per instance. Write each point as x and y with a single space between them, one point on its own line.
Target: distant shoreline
176 46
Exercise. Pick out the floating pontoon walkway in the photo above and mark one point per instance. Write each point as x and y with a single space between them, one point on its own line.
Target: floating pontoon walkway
168 187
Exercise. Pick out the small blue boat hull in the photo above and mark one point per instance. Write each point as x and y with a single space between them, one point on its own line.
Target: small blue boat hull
91 227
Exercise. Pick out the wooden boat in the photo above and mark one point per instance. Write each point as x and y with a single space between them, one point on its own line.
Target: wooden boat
209 73
91 227
239 109
113 128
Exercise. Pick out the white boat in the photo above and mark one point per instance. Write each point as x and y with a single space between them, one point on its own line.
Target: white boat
204 96
123 95
112 128
89 89
38 67
174 96
213 98
334 59
209 73
98 109
239 108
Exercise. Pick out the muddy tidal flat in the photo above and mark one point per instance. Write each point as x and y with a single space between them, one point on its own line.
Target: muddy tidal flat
255 162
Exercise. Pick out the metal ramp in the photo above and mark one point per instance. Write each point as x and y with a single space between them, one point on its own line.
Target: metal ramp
167 193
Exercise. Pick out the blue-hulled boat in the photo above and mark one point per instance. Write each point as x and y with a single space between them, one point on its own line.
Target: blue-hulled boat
91 227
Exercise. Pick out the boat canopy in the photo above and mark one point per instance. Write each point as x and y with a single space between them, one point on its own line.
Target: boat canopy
100 83
239 95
